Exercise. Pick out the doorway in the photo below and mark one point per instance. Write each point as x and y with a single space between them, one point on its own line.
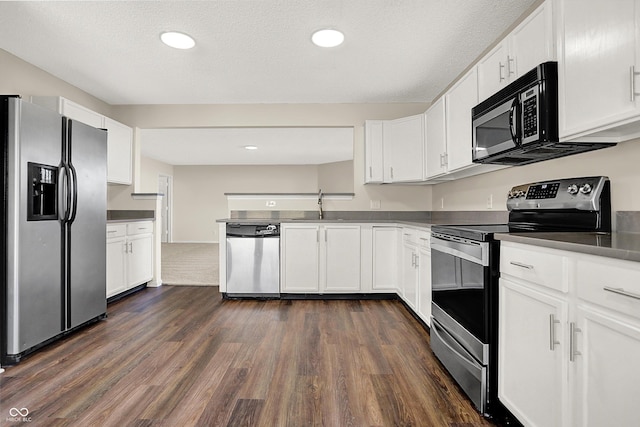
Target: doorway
165 186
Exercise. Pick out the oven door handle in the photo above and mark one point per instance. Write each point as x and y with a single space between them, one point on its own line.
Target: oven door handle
450 342
475 252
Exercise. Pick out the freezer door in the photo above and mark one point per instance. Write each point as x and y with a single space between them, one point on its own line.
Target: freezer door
33 248
86 232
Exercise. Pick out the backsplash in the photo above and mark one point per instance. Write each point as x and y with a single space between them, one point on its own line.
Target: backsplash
628 221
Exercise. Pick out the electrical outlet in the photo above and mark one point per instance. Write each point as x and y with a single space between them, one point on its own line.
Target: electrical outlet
374 204
490 201
271 203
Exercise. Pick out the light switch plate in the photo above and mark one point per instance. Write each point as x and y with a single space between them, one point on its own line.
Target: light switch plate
374 204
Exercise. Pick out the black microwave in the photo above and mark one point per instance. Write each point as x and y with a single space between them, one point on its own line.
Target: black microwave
519 124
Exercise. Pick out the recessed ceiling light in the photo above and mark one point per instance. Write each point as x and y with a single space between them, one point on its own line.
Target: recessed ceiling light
250 147
177 40
327 38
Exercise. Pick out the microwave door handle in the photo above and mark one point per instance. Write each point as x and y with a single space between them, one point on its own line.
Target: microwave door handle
512 124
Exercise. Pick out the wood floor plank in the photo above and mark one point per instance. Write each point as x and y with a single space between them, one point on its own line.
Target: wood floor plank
182 356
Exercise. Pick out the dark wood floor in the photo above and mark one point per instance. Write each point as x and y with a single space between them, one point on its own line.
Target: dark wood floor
179 356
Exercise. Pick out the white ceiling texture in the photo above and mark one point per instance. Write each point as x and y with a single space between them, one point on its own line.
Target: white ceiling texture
255 51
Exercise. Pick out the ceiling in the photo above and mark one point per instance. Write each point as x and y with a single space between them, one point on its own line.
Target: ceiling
225 146
255 51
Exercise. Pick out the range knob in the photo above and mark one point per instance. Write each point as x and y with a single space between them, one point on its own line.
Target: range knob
573 189
585 189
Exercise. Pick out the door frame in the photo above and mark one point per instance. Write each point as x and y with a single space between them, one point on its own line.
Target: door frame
167 206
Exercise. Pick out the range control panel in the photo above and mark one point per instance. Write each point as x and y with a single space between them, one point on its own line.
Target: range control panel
567 193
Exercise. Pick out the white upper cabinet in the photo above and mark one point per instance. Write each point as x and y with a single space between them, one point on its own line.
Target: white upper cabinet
404 149
529 44
119 151
598 56
459 101
373 149
70 109
436 140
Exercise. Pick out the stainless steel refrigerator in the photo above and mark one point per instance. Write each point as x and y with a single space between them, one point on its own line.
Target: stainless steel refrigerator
53 232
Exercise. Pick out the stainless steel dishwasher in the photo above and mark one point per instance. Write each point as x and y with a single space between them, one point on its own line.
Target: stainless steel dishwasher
253 260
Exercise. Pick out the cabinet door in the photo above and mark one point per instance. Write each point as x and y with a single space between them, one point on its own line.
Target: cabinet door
436 140
410 275
82 114
492 71
116 266
532 376
460 100
404 145
598 49
119 143
140 261
299 259
606 373
531 42
342 257
424 284
385 258
373 147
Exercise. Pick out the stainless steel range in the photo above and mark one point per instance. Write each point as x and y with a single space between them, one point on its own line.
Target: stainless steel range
465 271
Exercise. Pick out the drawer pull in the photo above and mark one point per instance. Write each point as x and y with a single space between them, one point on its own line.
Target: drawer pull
112 231
519 264
621 291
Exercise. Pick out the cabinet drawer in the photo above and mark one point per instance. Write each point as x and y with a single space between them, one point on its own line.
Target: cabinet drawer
548 268
116 230
409 235
141 227
609 283
424 239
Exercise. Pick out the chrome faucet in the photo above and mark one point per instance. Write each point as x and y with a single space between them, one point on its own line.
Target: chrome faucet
320 202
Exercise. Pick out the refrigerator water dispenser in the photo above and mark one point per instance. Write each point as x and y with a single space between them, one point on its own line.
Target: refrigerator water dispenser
42 202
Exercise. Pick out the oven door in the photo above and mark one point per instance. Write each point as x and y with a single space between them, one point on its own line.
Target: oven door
460 276
496 130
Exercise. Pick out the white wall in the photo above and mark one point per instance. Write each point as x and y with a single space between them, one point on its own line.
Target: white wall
150 170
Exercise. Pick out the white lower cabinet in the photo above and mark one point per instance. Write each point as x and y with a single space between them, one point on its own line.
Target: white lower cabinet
530 367
385 242
320 258
566 357
129 255
416 272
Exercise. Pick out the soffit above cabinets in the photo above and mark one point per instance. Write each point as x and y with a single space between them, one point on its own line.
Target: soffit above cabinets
256 51
226 146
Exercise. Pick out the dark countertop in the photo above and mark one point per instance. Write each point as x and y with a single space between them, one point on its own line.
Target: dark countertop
414 223
130 215
625 246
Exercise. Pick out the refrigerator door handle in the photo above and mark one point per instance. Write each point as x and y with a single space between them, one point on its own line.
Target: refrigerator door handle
73 192
64 195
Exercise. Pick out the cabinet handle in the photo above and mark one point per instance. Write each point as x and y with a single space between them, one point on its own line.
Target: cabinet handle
126 248
413 259
417 262
370 172
112 231
632 75
552 332
573 351
445 158
621 291
130 247
519 264
391 167
500 67
509 61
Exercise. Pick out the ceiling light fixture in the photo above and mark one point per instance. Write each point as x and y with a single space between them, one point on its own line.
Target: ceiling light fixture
250 147
177 40
327 38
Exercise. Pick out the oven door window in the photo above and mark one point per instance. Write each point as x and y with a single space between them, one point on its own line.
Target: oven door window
459 290
493 131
